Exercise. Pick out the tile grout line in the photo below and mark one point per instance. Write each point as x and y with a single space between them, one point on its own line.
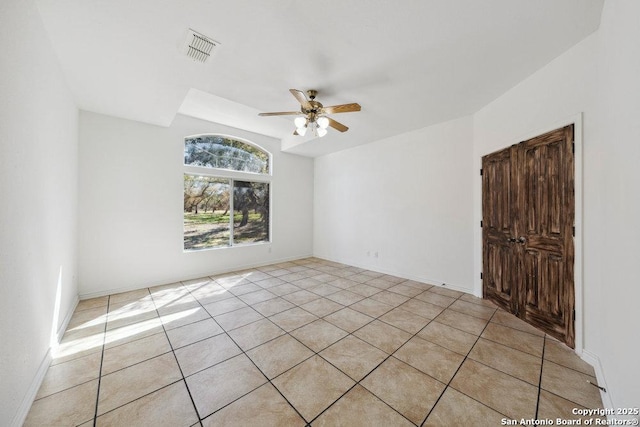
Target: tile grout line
512 376
503 372
389 355
243 353
394 307
544 344
195 408
137 363
200 418
356 382
308 423
569 367
458 370
297 364
104 339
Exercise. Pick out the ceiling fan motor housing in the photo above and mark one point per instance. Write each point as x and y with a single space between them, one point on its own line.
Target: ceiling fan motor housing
316 108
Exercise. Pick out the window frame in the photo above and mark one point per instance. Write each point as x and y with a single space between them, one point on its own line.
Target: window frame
269 172
231 176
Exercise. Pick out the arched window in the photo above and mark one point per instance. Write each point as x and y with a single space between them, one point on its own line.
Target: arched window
222 152
226 192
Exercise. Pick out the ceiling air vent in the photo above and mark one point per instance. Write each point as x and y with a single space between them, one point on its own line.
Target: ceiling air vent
198 46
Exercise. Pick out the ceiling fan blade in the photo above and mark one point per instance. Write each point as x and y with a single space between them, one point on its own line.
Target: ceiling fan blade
337 125
342 108
301 97
281 113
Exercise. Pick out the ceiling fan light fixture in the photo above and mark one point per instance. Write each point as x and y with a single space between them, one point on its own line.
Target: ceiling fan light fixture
301 130
315 128
323 123
300 122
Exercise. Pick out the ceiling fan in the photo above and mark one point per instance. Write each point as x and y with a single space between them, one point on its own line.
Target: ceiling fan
314 114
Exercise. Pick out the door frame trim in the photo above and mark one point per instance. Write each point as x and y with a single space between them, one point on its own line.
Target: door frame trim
576 120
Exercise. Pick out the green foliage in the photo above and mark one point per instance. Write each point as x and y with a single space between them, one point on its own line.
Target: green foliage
251 196
206 218
207 212
205 194
211 230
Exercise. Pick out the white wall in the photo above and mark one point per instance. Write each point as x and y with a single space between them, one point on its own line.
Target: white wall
548 99
130 204
38 179
616 168
408 197
599 77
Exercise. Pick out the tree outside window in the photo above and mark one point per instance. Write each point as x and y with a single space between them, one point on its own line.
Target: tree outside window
225 211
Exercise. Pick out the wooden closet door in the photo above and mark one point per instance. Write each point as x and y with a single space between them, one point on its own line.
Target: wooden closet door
499 211
537 245
546 201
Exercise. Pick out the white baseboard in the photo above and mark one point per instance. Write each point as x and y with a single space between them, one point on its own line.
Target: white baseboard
30 395
427 280
594 360
63 327
183 279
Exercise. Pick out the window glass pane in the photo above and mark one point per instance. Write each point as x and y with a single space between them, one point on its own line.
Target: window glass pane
214 151
206 212
251 212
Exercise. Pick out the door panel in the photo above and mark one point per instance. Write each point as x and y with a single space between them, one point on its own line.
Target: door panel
549 174
498 286
536 240
497 228
531 275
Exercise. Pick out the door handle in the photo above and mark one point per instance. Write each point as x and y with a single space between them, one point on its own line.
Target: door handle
521 240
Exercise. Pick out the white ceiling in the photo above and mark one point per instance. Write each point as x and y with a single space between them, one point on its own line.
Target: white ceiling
409 63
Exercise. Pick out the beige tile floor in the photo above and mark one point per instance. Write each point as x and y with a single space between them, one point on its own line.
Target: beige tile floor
301 343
